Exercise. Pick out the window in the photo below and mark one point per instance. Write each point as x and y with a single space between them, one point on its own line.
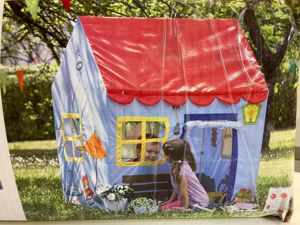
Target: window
227 143
72 136
139 140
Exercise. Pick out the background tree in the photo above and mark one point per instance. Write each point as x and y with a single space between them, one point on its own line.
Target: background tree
271 34
269 25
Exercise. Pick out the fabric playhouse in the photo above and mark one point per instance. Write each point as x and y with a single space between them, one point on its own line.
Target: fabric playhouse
125 83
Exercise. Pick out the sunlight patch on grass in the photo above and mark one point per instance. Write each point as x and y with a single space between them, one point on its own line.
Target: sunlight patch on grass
282 139
33 145
46 148
276 167
282 145
37 172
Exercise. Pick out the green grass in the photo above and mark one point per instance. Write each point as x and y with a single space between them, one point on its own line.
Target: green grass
276 167
280 159
42 198
45 201
38 148
282 139
282 145
32 145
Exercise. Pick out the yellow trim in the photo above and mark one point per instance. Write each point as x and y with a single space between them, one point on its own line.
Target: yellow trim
119 141
71 115
72 138
143 141
76 138
143 146
145 163
72 135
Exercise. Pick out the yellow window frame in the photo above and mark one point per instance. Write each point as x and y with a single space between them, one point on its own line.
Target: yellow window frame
143 141
72 138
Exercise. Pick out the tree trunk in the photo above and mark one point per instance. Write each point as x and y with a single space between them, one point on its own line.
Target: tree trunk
269 113
269 61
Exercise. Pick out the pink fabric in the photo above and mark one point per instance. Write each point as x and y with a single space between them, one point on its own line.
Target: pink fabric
196 192
174 204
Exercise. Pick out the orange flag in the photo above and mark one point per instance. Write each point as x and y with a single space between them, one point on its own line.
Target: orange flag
20 74
95 148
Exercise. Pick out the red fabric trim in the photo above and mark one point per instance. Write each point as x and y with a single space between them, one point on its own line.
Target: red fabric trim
202 100
121 99
148 100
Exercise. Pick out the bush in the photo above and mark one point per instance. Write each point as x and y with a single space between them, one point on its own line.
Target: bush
28 115
284 103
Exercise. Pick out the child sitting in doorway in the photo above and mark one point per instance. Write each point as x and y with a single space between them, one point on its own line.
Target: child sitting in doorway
187 189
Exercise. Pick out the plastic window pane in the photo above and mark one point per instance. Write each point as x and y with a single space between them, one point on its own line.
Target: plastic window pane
69 149
227 142
75 126
130 153
67 127
131 130
78 152
156 129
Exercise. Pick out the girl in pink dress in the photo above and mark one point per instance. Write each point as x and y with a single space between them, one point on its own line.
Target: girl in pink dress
187 190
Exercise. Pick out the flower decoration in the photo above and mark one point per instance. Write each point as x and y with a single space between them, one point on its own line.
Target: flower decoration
143 205
244 195
283 195
243 190
273 196
113 193
111 196
143 202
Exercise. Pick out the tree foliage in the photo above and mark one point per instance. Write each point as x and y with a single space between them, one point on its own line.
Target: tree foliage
269 24
28 115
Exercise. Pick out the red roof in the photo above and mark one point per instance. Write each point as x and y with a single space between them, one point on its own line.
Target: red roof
174 59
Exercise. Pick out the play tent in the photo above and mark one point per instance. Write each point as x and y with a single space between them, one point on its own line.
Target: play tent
125 83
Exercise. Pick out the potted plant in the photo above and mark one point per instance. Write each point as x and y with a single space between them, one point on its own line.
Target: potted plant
143 205
114 197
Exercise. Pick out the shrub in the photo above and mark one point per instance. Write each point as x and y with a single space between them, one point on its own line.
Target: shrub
28 115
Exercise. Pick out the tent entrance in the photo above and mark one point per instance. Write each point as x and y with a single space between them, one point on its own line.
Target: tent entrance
214 144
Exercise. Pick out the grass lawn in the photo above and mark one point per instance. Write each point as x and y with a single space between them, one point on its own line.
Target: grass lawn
276 167
32 145
282 139
37 148
41 194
